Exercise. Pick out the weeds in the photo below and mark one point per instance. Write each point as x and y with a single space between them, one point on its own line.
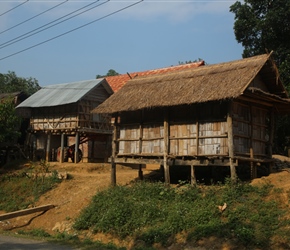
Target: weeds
154 213
23 188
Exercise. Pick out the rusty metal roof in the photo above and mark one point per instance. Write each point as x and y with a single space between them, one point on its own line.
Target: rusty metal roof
60 94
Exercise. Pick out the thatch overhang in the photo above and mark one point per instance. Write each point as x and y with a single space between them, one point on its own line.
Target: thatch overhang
219 82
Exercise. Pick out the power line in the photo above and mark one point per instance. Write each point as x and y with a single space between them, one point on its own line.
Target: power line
13 8
26 35
33 17
77 28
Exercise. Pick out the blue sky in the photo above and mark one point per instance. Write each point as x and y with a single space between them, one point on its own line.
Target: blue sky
151 34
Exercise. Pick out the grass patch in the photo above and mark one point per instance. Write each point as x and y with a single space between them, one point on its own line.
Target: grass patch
22 188
155 213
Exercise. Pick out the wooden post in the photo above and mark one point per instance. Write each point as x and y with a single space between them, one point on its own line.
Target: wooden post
76 155
197 137
34 149
47 155
253 165
165 151
193 178
271 138
231 144
140 173
114 152
61 148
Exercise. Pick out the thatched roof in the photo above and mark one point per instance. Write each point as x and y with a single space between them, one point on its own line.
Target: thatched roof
208 83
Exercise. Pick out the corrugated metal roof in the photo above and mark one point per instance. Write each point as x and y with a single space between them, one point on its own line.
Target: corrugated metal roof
60 94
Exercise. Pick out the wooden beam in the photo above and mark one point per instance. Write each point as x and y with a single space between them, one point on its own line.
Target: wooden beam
25 212
114 153
77 141
166 148
61 148
47 154
137 160
193 178
231 143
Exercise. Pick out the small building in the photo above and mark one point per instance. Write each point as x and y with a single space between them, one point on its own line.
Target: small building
211 116
62 125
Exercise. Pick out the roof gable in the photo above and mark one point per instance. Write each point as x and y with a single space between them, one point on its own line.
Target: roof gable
208 83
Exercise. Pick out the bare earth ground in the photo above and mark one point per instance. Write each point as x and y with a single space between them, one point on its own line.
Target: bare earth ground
73 194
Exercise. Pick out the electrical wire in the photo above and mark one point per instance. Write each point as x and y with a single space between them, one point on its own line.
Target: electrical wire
25 21
72 30
26 35
13 8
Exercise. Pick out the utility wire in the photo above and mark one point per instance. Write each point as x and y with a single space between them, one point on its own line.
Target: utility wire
33 17
72 30
13 8
26 35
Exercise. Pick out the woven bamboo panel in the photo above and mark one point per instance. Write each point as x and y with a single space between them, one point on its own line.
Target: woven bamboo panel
184 139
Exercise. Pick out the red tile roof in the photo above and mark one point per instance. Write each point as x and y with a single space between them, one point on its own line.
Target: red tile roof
117 82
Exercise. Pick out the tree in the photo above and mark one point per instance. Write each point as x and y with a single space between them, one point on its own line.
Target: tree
111 72
264 25
10 83
9 121
187 62
261 26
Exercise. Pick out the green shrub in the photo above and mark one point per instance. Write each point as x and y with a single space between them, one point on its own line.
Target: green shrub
154 213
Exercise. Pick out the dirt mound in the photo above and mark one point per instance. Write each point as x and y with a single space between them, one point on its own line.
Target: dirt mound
71 196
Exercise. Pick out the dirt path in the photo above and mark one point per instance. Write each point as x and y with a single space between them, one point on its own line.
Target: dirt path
71 195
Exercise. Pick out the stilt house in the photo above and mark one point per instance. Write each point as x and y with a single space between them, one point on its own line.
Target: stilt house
216 115
62 125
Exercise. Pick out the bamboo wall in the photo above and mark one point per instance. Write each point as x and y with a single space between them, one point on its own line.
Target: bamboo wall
200 130
250 129
187 135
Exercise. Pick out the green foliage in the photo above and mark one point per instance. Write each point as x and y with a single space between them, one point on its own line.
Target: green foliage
194 61
264 25
155 213
111 72
37 232
261 26
10 83
9 121
21 189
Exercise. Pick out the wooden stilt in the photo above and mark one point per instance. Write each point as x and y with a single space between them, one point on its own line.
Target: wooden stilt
77 141
193 178
231 145
253 165
114 152
47 155
61 148
165 151
140 173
